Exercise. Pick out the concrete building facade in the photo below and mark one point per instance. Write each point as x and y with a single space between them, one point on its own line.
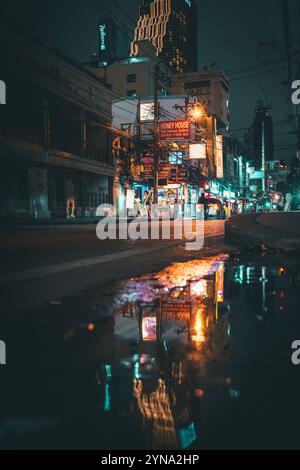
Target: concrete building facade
212 88
55 126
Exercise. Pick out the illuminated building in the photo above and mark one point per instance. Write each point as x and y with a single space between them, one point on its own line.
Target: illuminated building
134 76
171 26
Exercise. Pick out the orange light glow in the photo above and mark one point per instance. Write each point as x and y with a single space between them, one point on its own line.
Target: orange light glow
91 327
198 337
199 393
220 283
199 288
197 113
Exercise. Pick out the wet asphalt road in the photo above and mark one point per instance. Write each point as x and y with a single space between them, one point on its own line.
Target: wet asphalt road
45 264
23 248
168 350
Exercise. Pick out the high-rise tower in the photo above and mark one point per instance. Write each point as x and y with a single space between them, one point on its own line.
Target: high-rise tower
263 134
171 26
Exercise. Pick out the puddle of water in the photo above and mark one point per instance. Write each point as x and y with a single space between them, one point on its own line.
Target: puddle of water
196 356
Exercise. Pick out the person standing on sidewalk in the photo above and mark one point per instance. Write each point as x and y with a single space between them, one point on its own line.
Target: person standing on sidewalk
148 202
70 198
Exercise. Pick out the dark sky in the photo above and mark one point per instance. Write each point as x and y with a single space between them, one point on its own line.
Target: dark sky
229 34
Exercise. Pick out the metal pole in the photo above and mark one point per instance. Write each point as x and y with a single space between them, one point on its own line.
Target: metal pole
156 137
263 157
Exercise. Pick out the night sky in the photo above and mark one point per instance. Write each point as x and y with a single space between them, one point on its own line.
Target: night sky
229 33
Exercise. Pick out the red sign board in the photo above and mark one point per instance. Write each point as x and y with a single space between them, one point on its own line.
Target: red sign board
147 160
164 170
179 310
148 171
178 174
174 130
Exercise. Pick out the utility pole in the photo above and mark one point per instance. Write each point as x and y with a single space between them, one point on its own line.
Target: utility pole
156 151
263 157
287 37
298 75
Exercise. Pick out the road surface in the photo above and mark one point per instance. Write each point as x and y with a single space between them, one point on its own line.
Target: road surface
40 264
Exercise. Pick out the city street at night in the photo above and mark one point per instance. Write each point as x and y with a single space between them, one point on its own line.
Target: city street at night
149 228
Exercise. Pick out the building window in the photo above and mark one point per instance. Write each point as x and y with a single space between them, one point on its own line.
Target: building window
131 78
131 93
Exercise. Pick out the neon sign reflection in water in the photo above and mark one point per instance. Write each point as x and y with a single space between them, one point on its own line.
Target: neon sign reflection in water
107 400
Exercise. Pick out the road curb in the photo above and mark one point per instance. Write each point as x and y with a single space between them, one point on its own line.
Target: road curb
248 231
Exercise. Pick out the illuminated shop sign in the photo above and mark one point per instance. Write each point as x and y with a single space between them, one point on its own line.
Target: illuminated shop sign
219 156
178 310
257 175
174 130
147 112
130 196
176 158
198 152
149 329
102 34
164 170
214 188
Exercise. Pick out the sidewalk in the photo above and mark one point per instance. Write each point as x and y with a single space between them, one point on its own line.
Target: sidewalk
280 230
25 221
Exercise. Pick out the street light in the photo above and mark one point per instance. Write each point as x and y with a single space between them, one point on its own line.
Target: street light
197 112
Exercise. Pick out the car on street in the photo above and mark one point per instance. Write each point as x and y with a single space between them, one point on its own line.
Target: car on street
214 209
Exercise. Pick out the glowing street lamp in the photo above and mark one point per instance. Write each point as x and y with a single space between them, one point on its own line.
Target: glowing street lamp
197 112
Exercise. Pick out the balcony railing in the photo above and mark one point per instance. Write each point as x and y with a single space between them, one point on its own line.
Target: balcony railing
95 200
99 154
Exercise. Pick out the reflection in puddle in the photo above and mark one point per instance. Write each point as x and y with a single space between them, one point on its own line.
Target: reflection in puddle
195 356
182 361
166 327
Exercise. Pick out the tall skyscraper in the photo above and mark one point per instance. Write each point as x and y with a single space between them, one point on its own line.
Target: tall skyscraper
263 135
171 26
